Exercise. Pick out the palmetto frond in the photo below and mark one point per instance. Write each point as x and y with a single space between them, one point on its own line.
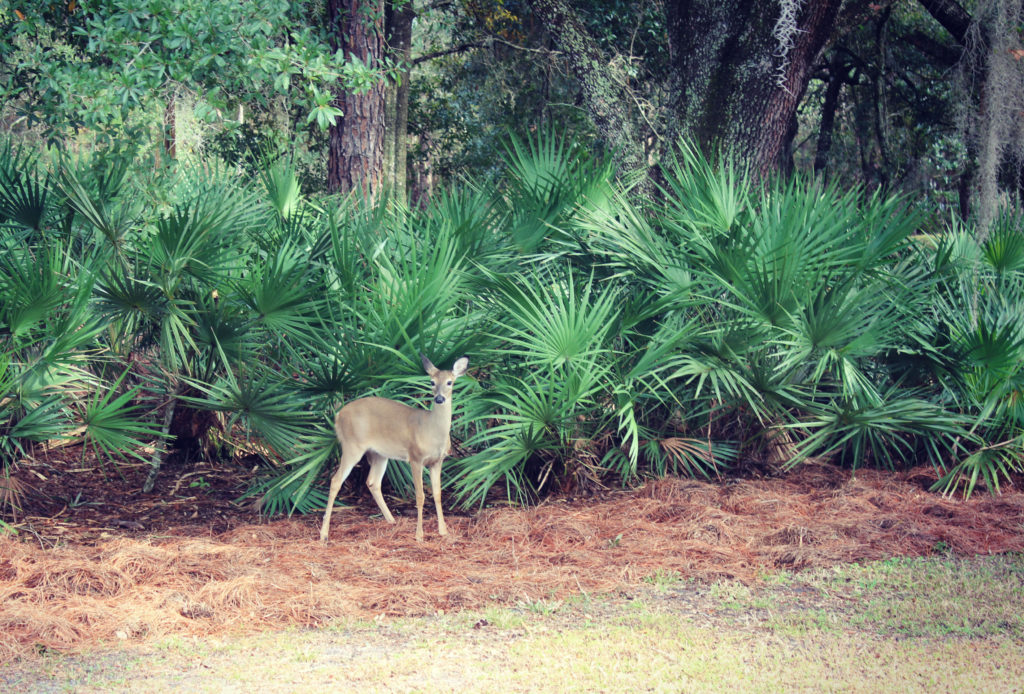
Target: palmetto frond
550 176
24 187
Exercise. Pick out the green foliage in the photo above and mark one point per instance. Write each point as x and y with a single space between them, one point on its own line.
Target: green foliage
99 65
551 368
611 337
977 347
463 105
548 177
112 424
23 189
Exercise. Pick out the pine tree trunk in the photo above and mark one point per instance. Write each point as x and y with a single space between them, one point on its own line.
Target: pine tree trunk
390 94
356 142
402 44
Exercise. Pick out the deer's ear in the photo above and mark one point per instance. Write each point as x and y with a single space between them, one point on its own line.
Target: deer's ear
460 366
427 366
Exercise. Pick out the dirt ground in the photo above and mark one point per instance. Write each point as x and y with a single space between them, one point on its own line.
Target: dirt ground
96 561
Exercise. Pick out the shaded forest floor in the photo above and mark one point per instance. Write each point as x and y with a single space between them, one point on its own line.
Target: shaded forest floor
98 562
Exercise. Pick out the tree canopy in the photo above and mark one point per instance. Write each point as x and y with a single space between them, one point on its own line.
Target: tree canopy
918 94
94 66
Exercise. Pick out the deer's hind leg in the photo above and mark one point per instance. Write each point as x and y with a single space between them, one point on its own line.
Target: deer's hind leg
349 457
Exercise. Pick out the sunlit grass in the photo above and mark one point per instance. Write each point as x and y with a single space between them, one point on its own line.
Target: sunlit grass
911 625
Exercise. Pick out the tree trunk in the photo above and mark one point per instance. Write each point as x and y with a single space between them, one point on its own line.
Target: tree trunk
881 117
740 78
421 188
736 78
1001 100
390 93
400 43
952 16
828 114
356 142
158 452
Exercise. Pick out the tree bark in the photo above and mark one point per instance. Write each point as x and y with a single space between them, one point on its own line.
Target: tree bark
356 142
390 94
603 90
728 67
880 110
952 16
400 42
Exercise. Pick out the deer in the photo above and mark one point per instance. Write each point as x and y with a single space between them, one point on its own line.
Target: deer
383 429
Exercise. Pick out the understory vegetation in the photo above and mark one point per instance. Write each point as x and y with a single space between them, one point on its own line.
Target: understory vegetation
610 336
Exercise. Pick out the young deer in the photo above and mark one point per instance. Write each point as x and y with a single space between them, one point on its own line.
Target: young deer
384 429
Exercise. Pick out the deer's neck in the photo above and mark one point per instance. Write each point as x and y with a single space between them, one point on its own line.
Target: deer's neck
440 417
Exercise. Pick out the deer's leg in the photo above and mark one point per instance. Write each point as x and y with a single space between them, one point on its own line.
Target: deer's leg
435 488
349 458
417 483
378 464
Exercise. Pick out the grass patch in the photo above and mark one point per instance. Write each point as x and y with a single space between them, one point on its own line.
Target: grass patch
936 597
663 580
667 654
923 625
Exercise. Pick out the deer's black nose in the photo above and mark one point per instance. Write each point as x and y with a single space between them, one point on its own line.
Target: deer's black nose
439 399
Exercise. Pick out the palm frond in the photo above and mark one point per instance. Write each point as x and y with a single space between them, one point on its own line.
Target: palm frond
281 183
283 293
113 425
1003 249
987 464
293 489
894 430
551 323
549 177
710 197
24 189
264 406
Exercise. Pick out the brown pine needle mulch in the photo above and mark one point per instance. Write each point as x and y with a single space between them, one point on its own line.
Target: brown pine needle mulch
143 586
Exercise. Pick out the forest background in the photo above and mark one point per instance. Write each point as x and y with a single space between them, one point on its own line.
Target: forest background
673 237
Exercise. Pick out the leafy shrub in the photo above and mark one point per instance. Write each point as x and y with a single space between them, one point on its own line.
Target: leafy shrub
611 337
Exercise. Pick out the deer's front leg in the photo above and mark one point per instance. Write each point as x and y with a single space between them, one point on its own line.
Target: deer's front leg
417 483
435 488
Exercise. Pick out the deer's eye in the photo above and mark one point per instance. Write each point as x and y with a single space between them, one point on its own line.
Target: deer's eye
450 382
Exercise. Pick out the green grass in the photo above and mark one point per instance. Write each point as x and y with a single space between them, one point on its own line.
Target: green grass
910 625
921 597
663 580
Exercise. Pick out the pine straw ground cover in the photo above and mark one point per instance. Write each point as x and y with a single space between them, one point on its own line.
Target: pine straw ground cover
144 586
